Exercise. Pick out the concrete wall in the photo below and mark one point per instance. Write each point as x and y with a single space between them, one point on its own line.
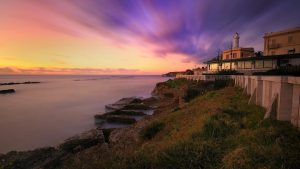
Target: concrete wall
263 90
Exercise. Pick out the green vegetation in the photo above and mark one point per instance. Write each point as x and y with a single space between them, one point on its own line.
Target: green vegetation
174 83
201 87
151 130
234 137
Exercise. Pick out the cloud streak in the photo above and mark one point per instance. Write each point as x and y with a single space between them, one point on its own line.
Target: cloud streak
193 28
66 71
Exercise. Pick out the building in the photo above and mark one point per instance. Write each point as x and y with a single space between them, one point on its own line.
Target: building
237 52
282 42
199 71
280 49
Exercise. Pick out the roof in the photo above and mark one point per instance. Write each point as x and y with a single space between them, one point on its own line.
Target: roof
268 34
297 55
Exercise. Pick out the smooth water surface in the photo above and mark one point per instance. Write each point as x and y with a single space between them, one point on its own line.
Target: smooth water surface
45 114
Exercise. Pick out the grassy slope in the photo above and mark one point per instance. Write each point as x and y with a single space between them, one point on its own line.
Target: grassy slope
216 130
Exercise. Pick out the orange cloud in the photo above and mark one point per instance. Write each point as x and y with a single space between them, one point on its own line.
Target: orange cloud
66 71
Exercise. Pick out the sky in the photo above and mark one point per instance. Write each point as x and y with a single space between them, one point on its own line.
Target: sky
131 36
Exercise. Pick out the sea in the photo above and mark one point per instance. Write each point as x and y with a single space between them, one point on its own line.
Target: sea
47 113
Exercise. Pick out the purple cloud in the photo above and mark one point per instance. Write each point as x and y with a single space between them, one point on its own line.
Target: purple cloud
190 27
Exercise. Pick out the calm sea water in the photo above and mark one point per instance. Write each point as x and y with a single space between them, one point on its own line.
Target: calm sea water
45 114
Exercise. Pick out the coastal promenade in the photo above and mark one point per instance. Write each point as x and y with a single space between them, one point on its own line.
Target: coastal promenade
279 95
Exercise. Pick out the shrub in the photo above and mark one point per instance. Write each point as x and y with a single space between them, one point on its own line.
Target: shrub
151 130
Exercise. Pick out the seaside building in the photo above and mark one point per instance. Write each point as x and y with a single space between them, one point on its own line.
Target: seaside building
282 42
280 49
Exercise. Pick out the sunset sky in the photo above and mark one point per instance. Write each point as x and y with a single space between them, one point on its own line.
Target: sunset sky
130 36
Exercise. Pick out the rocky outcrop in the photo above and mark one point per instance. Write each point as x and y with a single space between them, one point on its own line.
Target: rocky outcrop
7 91
125 111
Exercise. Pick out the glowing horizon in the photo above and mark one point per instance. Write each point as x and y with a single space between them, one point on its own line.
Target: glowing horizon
125 37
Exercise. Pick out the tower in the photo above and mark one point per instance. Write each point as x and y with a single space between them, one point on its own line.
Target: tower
236 39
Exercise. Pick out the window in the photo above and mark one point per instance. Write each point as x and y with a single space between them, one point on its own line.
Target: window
290 39
234 55
273 41
240 65
248 64
259 64
242 54
227 56
268 63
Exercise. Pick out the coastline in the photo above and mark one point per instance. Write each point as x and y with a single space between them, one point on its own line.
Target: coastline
207 124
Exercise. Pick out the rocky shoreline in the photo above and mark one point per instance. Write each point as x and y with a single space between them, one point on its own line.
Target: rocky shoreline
120 126
112 125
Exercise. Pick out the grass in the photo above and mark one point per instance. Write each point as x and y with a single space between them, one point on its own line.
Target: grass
235 137
174 83
71 145
151 130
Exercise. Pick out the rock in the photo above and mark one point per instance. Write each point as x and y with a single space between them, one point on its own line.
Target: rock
136 107
83 141
7 91
120 120
123 102
17 83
